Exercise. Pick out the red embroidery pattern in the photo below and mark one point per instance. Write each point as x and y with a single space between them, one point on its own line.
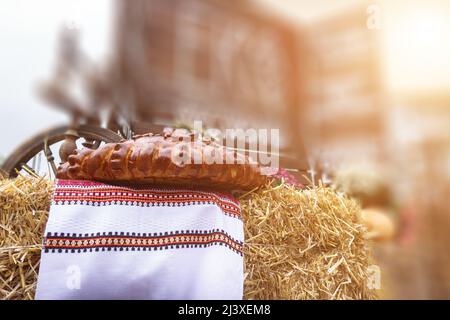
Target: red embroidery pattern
136 241
94 193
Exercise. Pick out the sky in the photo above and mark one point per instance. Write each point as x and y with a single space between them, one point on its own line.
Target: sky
28 31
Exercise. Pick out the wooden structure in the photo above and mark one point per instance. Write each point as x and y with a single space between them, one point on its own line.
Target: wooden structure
227 63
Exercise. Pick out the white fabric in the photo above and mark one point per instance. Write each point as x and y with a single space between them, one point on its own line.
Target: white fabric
96 269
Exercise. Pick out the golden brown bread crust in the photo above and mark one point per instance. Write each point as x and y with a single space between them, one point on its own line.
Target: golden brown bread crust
162 159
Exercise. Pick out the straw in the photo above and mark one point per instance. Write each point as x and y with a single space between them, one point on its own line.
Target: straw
24 204
304 244
300 244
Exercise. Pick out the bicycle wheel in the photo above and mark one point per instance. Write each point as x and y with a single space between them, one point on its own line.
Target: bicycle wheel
37 144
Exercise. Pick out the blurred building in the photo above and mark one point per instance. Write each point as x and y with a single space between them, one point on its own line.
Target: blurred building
230 64
344 90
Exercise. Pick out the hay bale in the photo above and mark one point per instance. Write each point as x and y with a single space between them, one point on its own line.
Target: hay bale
299 244
304 244
24 204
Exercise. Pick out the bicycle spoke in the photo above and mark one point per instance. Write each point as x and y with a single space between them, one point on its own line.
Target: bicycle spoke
38 166
50 158
33 163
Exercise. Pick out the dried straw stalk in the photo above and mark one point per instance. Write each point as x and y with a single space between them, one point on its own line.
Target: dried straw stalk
299 244
24 204
304 244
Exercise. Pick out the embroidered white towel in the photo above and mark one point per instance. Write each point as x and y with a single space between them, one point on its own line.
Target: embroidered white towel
111 242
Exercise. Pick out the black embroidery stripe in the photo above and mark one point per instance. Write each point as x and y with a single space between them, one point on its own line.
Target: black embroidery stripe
107 202
116 196
61 242
109 196
150 192
93 186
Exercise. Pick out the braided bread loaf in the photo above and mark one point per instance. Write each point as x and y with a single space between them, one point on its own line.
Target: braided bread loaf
172 158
